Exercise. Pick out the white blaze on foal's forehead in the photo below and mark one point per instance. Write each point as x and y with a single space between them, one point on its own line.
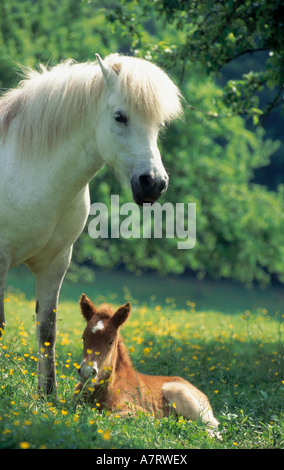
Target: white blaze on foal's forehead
98 327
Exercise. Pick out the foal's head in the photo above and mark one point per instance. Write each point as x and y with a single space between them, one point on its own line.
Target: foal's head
100 336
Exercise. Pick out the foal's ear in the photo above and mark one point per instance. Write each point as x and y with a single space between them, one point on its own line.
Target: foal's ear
121 315
87 307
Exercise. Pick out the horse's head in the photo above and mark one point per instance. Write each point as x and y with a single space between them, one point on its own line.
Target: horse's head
139 98
100 337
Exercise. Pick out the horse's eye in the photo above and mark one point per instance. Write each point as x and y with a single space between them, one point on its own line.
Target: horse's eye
119 117
111 342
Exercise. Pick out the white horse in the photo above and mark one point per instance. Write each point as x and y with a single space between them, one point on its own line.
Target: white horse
57 129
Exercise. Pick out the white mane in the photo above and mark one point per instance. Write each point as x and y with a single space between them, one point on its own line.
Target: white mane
52 103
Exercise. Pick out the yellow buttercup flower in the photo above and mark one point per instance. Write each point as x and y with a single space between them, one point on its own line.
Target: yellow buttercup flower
24 445
106 435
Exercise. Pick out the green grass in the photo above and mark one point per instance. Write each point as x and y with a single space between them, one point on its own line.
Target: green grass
236 359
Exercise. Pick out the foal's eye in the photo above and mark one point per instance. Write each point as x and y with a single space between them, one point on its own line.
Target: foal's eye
119 117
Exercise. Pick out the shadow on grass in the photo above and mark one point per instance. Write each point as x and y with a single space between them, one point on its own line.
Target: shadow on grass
224 296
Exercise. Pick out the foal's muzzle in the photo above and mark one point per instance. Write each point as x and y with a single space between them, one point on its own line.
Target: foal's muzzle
87 371
146 188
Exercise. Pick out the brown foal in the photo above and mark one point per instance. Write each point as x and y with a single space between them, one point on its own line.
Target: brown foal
109 378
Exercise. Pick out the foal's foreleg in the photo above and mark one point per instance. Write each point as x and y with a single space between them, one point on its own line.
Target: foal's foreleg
48 283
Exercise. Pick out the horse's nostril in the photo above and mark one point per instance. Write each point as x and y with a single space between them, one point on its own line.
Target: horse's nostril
147 188
146 182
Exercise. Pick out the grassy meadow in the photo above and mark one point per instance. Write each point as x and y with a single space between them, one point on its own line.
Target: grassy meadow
235 357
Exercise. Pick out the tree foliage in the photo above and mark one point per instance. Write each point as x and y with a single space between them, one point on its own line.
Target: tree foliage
213 34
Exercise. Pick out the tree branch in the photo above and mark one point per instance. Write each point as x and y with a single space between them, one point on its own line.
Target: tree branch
273 105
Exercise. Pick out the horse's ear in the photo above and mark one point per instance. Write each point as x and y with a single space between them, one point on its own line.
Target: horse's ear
121 315
87 307
109 75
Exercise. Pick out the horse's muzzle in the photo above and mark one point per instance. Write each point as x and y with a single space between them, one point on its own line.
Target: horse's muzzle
146 188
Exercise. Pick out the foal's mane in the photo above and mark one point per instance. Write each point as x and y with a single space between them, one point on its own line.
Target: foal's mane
52 103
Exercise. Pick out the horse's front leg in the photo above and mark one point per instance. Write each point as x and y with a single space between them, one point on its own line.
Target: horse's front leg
2 313
48 283
4 265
